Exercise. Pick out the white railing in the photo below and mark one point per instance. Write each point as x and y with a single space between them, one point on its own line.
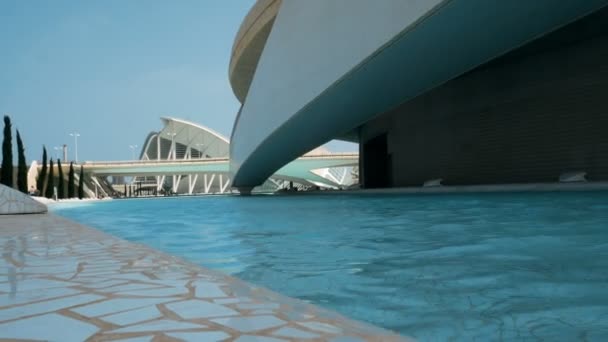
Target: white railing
154 162
209 160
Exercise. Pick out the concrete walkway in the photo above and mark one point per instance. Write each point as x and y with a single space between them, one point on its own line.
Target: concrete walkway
61 281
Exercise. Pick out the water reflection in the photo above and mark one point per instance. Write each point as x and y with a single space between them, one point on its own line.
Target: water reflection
12 280
11 272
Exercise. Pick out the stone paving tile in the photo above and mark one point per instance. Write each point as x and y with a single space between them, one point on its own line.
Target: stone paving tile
46 306
206 289
68 268
116 305
295 333
172 277
131 276
197 308
176 283
262 312
250 323
156 292
346 339
35 295
252 338
231 300
207 336
51 327
136 339
62 281
33 284
162 325
133 316
322 327
130 287
258 306
104 284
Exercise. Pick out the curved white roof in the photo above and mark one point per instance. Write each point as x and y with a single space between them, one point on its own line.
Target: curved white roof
192 141
167 120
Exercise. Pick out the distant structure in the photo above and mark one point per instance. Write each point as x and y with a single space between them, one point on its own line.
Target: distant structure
188 158
182 140
435 92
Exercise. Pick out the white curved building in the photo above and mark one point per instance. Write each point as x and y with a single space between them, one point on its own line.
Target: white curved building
181 139
468 91
188 142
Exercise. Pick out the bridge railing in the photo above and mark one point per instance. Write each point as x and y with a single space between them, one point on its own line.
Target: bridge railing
210 160
343 155
152 162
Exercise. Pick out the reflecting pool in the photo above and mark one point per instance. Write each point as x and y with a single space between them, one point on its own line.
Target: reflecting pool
435 267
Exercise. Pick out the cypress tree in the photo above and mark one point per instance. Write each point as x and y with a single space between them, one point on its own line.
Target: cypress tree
6 177
71 190
50 184
61 184
81 183
22 166
42 175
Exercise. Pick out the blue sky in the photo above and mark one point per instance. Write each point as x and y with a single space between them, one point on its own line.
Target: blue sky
109 69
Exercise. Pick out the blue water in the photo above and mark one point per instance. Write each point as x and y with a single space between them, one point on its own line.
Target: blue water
463 267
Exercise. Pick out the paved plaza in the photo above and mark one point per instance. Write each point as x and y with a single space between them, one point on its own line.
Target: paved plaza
61 281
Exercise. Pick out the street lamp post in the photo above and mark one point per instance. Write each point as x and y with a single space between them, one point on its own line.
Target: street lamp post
75 135
132 147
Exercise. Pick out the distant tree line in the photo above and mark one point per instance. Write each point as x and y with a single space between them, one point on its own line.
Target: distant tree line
46 180
45 183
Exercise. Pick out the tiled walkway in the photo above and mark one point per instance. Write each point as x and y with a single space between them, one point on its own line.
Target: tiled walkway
61 281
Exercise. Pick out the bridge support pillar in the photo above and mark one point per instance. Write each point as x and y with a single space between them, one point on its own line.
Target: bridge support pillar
245 190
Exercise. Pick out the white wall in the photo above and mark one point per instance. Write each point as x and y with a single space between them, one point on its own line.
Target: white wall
313 43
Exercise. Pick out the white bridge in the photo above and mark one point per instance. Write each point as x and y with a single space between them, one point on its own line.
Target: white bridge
328 170
191 158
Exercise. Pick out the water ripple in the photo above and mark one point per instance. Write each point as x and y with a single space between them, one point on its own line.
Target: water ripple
464 267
